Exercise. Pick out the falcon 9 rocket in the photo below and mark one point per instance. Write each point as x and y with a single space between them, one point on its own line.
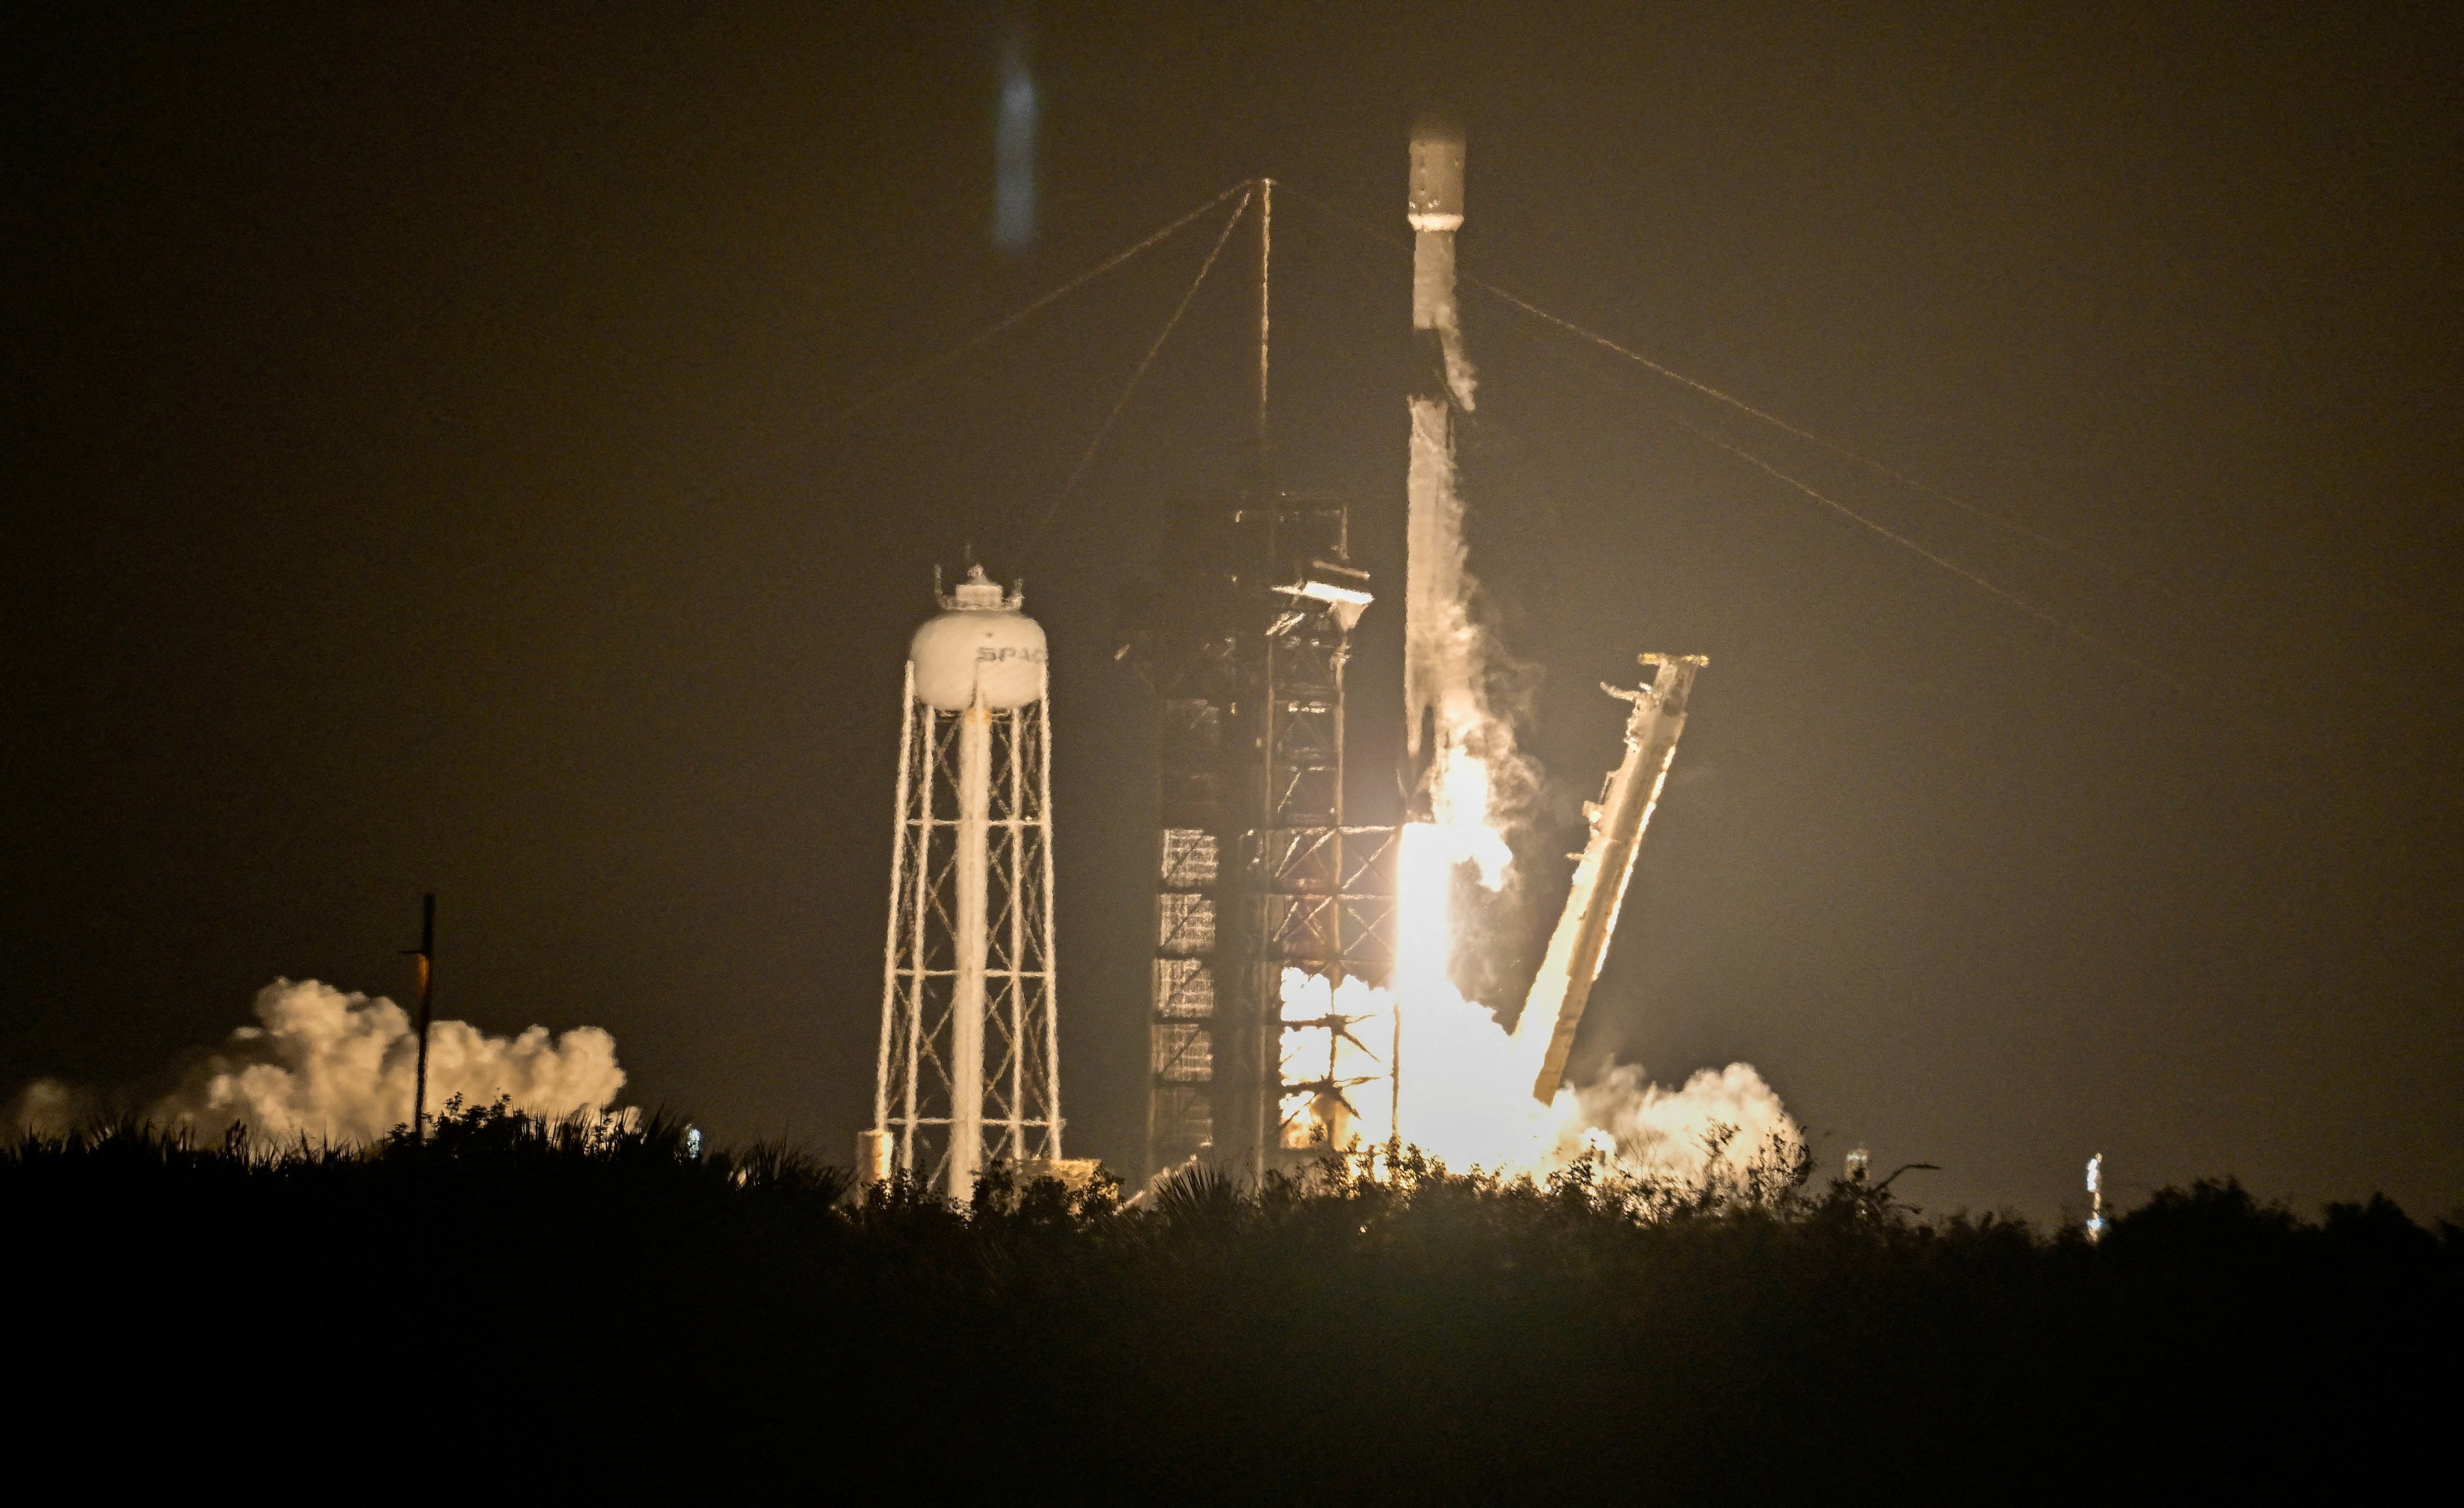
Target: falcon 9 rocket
1439 696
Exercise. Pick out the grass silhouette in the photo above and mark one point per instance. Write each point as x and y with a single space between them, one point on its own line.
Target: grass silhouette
592 1303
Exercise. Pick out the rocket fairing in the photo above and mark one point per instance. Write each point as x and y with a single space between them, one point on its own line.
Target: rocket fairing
1438 698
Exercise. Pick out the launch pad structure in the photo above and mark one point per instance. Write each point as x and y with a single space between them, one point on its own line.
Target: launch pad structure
1274 1030
1242 634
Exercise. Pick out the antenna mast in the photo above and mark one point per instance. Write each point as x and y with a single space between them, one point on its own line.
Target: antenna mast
426 956
1266 284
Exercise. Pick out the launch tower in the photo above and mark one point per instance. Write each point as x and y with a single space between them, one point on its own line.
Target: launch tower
1241 632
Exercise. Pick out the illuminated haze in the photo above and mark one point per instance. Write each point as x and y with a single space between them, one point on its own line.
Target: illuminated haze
1014 148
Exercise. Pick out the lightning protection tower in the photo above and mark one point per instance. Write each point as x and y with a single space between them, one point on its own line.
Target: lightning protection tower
969 1071
1271 911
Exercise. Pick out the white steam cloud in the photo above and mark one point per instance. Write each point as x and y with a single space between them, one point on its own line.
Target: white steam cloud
338 1068
1705 1134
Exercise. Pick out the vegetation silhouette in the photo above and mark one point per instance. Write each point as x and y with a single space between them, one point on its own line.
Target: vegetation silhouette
604 1307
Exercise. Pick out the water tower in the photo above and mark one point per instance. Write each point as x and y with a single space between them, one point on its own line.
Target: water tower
969 1071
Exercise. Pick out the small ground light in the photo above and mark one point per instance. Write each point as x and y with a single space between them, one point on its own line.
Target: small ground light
2096 1198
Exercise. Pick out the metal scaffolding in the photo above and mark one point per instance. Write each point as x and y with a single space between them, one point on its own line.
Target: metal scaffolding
969 1071
1242 634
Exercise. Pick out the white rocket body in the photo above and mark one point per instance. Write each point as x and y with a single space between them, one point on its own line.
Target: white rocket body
1438 698
1435 207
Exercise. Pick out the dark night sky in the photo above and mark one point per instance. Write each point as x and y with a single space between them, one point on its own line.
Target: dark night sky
420 476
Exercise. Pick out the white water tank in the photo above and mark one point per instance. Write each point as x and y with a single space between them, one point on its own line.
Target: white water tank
981 645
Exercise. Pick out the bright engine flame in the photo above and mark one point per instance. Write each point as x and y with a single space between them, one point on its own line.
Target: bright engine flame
1419 1065
1347 1047
1460 1100
1338 1049
1460 798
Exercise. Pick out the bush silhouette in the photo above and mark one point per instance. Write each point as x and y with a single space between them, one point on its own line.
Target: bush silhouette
590 1298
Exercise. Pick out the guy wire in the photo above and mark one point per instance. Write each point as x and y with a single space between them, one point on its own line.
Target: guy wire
1137 375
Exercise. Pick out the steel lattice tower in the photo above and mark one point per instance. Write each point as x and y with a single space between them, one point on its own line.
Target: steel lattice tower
1242 634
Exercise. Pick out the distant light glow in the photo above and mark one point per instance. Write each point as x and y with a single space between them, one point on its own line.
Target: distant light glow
1014 150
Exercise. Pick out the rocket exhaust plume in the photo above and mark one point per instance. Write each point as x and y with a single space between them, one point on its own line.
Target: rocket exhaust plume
338 1068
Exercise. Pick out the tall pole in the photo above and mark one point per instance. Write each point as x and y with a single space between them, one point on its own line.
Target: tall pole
1269 1000
874 1154
426 956
967 998
897 886
921 898
1265 286
1051 1023
1014 903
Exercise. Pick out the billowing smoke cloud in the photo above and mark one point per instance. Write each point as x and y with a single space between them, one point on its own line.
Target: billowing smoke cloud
338 1068
1706 1133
